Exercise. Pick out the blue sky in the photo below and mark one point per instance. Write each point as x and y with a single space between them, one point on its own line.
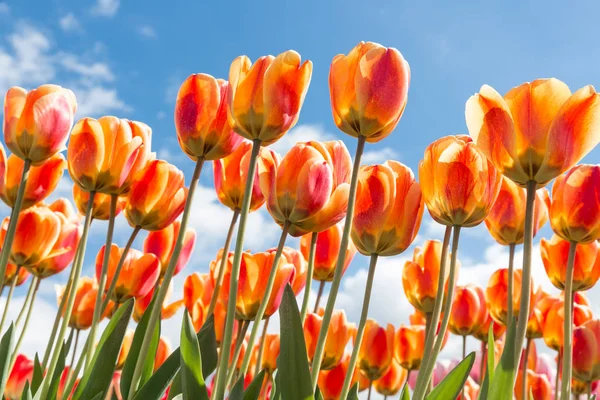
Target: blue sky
129 58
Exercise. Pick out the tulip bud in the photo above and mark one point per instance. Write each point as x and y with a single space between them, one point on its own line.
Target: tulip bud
586 268
162 243
554 324
20 374
468 310
101 205
376 350
586 351
496 295
338 334
83 307
392 380
409 345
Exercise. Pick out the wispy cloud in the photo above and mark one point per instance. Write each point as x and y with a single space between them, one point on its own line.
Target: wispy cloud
379 156
106 8
147 31
70 23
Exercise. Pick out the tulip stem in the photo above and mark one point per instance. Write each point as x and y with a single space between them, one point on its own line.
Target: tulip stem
162 293
526 277
361 326
26 302
339 266
261 346
524 369
115 277
266 297
309 274
12 223
239 340
219 392
421 390
36 285
483 361
511 279
370 389
224 257
319 294
589 390
102 282
13 284
464 355
556 378
61 307
72 286
422 379
568 324
74 349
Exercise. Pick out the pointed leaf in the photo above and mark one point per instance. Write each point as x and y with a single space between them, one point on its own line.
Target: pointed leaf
175 387
192 380
404 395
318 395
60 366
237 391
504 374
38 374
26 394
253 390
294 373
353 394
452 384
489 370
6 346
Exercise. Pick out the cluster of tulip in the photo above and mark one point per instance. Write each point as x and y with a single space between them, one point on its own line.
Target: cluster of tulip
518 143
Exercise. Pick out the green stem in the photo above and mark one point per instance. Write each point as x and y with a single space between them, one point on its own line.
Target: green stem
103 273
265 299
556 378
27 318
421 390
261 346
61 307
319 294
224 257
483 361
524 369
568 325
160 298
74 372
9 298
239 340
71 295
339 266
437 309
361 326
74 349
309 274
511 278
12 223
219 392
464 354
370 389
27 300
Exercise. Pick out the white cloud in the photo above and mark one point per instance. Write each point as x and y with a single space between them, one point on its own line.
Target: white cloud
147 31
106 8
70 23
379 156
301 133
96 70
4 8
97 100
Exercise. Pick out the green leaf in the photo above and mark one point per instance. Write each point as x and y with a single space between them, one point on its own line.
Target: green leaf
489 370
38 374
160 380
292 364
26 394
6 346
60 366
353 394
98 375
504 375
132 356
175 387
237 391
404 395
276 390
452 384
318 394
253 390
192 381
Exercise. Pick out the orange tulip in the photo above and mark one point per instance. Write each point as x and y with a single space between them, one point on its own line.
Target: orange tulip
377 350
459 184
575 210
12 272
162 243
331 381
580 298
554 323
471 389
537 131
497 329
125 347
417 318
420 276
105 154
37 123
338 334
586 269
496 294
368 90
541 305
201 121
265 98
163 351
270 353
157 196
41 181
389 208
409 345
309 188
21 372
392 380
101 206
64 377
83 307
197 287
469 310
295 258
138 275
230 175
168 309
326 253
506 220
538 386
220 313
586 351
578 387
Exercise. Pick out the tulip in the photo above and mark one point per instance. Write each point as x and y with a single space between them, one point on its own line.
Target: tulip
420 276
13 272
163 351
270 354
417 318
168 309
554 324
538 386
506 220
578 387
586 351
125 347
470 390
377 350
331 381
537 318
338 334
497 329
231 173
295 258
83 307
138 276
162 243
327 250
64 377
265 97
586 267
388 210
369 90
391 382
409 344
21 372
201 121
496 295
37 123
101 206
157 196
41 182
105 154
197 287
468 310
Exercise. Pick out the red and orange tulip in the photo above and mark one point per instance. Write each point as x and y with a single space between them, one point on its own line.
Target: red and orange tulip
37 123
101 205
203 129
537 131
377 350
270 353
21 372
553 332
409 345
326 253
11 273
83 307
586 351
125 347
392 380
389 208
162 243
295 258
368 90
456 163
538 386
265 98
497 329
331 381
168 309
469 310
163 351
541 303
338 334
157 197
197 286
496 294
